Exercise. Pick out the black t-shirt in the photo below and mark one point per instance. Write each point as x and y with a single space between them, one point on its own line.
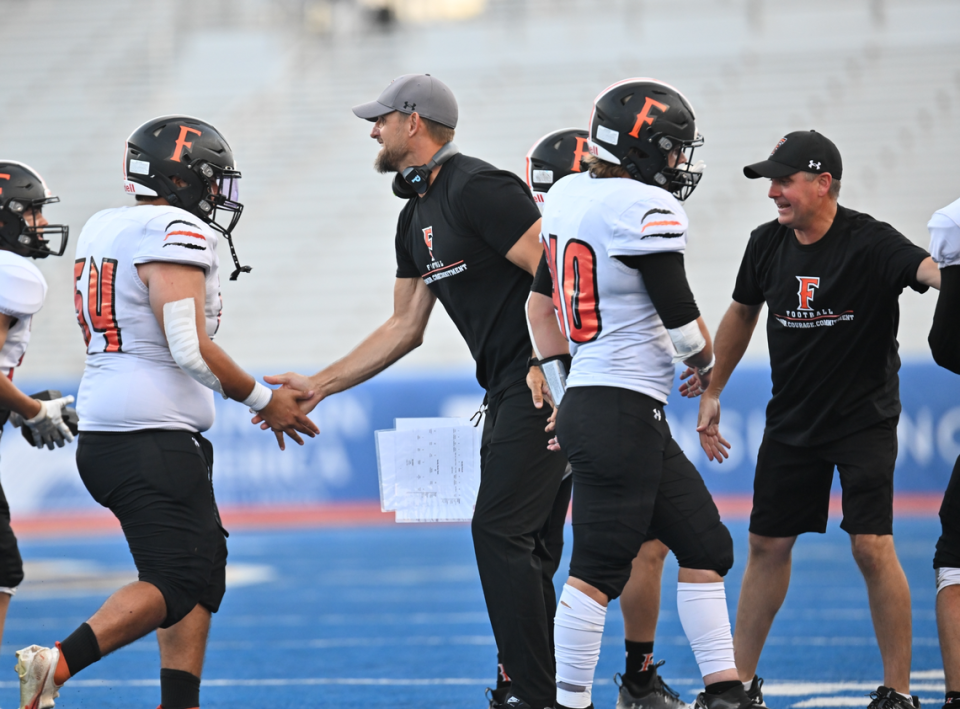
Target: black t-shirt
456 238
832 323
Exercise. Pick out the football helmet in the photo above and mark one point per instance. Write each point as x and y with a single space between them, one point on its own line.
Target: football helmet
23 192
195 152
553 157
638 123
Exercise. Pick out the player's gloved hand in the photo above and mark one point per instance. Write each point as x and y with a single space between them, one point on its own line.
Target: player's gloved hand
48 427
708 426
283 415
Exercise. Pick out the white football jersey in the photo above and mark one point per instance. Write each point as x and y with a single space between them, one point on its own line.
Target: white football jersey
131 380
944 230
22 292
616 337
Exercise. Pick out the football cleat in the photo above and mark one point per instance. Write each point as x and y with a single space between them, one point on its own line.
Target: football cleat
887 698
654 694
755 693
36 666
735 698
497 697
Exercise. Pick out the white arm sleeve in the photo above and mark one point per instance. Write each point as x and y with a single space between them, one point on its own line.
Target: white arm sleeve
688 341
180 326
944 240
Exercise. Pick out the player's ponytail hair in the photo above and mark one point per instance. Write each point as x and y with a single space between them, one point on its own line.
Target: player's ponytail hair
602 169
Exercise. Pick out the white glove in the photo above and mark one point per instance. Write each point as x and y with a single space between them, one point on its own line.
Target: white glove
48 426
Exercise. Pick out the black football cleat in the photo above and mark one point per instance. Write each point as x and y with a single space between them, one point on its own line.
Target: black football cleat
497 697
755 692
735 698
887 698
654 694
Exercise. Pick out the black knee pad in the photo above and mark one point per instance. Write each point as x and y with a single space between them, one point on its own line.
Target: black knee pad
603 555
201 581
11 564
712 551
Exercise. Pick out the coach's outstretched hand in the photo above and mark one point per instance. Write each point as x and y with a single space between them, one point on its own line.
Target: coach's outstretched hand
708 426
284 414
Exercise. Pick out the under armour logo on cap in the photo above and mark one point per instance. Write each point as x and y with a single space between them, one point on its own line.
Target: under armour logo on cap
814 165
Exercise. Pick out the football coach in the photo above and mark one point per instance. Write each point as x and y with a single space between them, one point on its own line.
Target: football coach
831 279
468 235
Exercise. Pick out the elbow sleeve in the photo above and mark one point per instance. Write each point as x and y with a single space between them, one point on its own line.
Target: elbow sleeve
180 326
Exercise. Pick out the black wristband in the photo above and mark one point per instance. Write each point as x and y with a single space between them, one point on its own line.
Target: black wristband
533 362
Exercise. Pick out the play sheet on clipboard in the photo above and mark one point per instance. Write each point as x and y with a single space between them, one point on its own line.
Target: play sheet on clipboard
429 469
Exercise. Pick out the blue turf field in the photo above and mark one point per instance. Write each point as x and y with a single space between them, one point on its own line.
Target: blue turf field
394 617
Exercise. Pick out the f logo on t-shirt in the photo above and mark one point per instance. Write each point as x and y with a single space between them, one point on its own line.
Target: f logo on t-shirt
428 240
807 285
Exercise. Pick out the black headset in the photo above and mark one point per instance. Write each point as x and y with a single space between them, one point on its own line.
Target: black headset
419 177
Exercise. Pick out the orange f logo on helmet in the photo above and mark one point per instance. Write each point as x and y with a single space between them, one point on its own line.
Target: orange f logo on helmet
582 150
182 142
807 284
3 177
644 116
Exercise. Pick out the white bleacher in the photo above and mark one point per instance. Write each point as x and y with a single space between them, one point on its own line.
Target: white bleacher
880 77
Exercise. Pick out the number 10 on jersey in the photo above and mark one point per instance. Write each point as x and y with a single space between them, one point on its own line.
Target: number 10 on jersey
101 303
575 294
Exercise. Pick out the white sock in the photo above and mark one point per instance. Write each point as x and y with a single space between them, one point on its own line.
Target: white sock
703 613
578 630
747 686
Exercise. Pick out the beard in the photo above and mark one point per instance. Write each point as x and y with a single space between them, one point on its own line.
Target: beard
388 160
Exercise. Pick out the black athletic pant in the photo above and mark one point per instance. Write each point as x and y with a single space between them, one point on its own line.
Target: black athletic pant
632 482
519 482
11 565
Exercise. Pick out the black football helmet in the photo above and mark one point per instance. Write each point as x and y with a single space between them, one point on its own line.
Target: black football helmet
195 152
553 157
637 123
23 193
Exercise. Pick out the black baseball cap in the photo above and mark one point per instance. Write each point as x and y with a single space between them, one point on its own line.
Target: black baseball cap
429 97
800 151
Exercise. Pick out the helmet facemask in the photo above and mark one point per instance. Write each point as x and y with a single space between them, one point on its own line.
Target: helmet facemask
32 241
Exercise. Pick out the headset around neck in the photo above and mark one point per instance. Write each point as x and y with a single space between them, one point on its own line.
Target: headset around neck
419 177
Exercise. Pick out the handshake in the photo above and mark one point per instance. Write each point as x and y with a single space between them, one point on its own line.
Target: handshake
55 424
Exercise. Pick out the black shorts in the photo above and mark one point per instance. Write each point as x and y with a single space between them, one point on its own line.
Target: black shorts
631 483
791 490
159 485
948 546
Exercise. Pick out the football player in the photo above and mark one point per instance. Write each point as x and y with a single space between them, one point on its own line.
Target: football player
148 303
25 234
614 240
944 340
552 158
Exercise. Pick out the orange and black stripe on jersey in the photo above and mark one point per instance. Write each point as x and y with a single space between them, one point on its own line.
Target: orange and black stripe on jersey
189 230
664 221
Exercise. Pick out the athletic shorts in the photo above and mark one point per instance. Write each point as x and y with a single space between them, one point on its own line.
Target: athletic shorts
159 485
631 483
948 546
791 489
